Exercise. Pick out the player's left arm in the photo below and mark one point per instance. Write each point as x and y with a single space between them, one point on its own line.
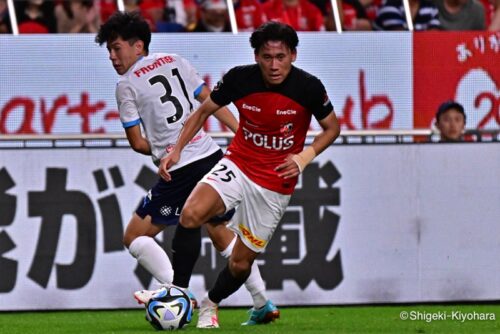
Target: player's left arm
331 130
296 163
223 114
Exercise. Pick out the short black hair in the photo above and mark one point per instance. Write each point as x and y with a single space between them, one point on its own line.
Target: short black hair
447 105
131 27
274 31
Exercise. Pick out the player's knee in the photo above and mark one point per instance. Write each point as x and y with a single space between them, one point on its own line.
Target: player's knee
239 269
191 217
127 239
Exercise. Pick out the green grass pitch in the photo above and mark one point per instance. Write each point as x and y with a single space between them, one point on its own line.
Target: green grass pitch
466 318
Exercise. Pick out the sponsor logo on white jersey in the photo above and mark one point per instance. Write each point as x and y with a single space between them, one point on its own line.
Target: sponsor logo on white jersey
277 143
251 108
169 148
153 66
286 112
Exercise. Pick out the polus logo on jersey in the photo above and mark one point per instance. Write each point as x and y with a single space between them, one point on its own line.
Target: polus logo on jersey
277 143
250 237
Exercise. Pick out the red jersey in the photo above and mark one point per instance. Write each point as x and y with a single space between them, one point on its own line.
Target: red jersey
303 17
273 121
249 15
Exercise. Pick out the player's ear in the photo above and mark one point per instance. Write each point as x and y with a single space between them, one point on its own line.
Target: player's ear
139 47
294 55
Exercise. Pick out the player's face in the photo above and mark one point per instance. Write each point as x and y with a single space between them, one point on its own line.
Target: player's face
451 125
275 60
123 55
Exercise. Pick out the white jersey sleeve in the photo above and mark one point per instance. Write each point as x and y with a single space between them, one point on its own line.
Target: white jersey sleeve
159 92
125 98
192 78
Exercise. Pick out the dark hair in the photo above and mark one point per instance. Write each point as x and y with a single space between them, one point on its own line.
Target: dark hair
274 31
131 27
447 105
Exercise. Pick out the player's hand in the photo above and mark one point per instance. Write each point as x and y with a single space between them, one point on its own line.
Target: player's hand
166 162
288 169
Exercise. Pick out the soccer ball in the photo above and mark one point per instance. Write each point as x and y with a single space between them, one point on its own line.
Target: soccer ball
170 308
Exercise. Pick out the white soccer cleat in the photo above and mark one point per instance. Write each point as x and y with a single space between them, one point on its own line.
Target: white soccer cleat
143 296
207 317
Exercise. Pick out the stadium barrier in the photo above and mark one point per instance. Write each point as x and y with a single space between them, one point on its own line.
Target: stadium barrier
391 223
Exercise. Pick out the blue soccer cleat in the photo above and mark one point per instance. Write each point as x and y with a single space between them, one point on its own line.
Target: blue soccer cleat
191 296
264 315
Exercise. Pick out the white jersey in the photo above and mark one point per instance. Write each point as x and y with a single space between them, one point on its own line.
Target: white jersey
159 92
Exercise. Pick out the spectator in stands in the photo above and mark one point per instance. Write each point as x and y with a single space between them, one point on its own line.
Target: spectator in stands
495 19
77 16
175 15
461 15
492 14
322 5
391 16
329 17
450 121
5 27
213 17
249 14
191 8
302 15
153 12
36 17
106 8
354 16
372 7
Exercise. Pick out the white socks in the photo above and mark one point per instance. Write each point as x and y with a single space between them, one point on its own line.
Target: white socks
153 258
254 283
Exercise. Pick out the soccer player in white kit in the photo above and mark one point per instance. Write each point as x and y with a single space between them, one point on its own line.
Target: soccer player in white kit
157 92
261 166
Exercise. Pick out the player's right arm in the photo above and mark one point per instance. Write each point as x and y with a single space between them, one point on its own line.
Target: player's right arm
223 114
137 141
193 124
130 118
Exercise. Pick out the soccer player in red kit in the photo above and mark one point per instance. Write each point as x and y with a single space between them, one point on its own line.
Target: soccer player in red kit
276 101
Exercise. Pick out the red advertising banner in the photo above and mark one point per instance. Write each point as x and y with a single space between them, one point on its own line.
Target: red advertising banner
461 66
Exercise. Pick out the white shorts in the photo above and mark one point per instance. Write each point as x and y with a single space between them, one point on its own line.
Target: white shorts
259 209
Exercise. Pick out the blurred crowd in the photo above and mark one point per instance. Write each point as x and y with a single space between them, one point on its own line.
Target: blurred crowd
77 16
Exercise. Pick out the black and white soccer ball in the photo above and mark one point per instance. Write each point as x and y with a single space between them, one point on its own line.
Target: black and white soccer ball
170 308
